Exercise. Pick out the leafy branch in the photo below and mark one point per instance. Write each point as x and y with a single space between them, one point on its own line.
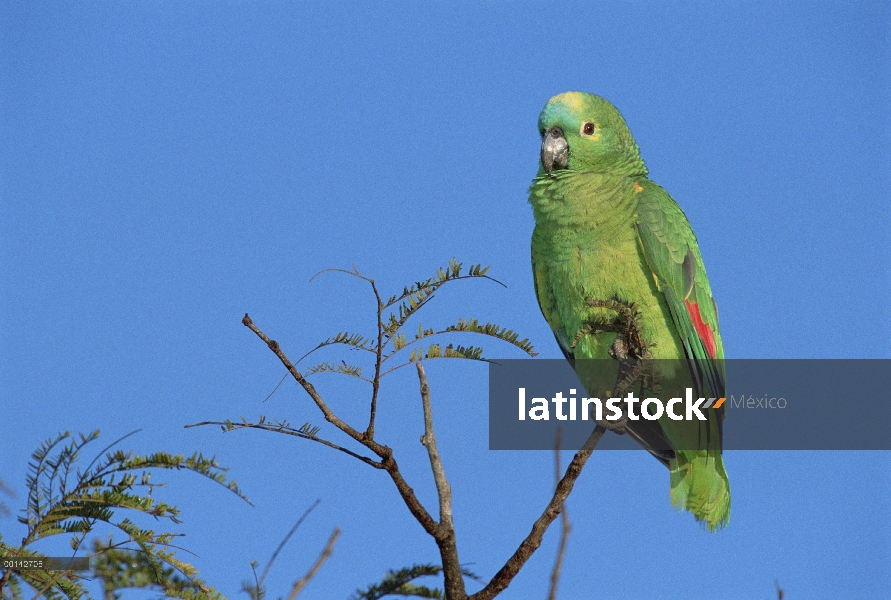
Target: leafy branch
399 583
64 500
4 510
408 304
389 330
126 568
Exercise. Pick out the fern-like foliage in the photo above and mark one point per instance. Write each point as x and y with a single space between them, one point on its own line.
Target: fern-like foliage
398 583
493 330
4 510
50 584
355 340
342 368
305 430
404 306
309 430
65 500
452 271
252 588
450 351
413 298
124 569
470 326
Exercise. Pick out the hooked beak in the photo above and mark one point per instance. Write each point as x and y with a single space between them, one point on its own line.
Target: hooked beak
554 150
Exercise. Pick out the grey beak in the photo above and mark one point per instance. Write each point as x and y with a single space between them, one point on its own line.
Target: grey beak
554 150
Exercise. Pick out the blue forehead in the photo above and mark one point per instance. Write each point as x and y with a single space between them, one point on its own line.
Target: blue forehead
563 109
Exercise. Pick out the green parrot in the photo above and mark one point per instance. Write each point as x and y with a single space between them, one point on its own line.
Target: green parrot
607 242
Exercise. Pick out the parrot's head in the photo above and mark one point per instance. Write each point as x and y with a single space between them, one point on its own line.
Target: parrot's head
584 132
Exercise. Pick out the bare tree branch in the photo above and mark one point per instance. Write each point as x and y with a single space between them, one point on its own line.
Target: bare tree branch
448 546
327 412
529 545
443 532
564 518
429 442
301 583
376 382
384 452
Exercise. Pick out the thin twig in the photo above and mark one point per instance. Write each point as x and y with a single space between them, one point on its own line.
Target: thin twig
278 428
301 583
410 362
355 273
529 545
327 412
285 541
255 594
114 443
564 519
448 546
376 382
276 387
384 452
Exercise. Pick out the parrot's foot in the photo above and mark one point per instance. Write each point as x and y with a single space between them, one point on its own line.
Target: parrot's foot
617 427
631 367
625 353
619 349
625 321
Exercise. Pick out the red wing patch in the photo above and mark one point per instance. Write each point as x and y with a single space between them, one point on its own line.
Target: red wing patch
705 332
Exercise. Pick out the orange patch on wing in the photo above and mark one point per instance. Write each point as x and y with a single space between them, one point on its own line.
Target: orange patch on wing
702 329
637 188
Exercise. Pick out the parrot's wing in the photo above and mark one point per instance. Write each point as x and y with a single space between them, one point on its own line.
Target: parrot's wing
672 255
698 479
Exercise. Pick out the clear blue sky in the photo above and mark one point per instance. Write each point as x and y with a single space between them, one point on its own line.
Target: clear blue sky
167 167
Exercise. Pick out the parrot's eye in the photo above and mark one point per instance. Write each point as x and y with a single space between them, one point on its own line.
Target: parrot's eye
588 129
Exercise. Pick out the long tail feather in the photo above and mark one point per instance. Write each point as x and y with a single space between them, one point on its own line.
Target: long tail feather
699 484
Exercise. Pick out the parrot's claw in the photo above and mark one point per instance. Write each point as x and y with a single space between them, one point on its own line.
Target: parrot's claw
619 349
617 426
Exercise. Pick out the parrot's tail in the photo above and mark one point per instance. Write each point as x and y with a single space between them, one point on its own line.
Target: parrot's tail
699 484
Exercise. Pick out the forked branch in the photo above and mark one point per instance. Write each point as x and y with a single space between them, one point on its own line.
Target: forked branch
389 330
529 545
448 545
384 452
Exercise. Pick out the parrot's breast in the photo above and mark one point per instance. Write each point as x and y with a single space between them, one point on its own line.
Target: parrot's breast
586 243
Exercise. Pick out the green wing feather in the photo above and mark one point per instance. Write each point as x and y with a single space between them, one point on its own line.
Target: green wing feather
698 480
672 254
